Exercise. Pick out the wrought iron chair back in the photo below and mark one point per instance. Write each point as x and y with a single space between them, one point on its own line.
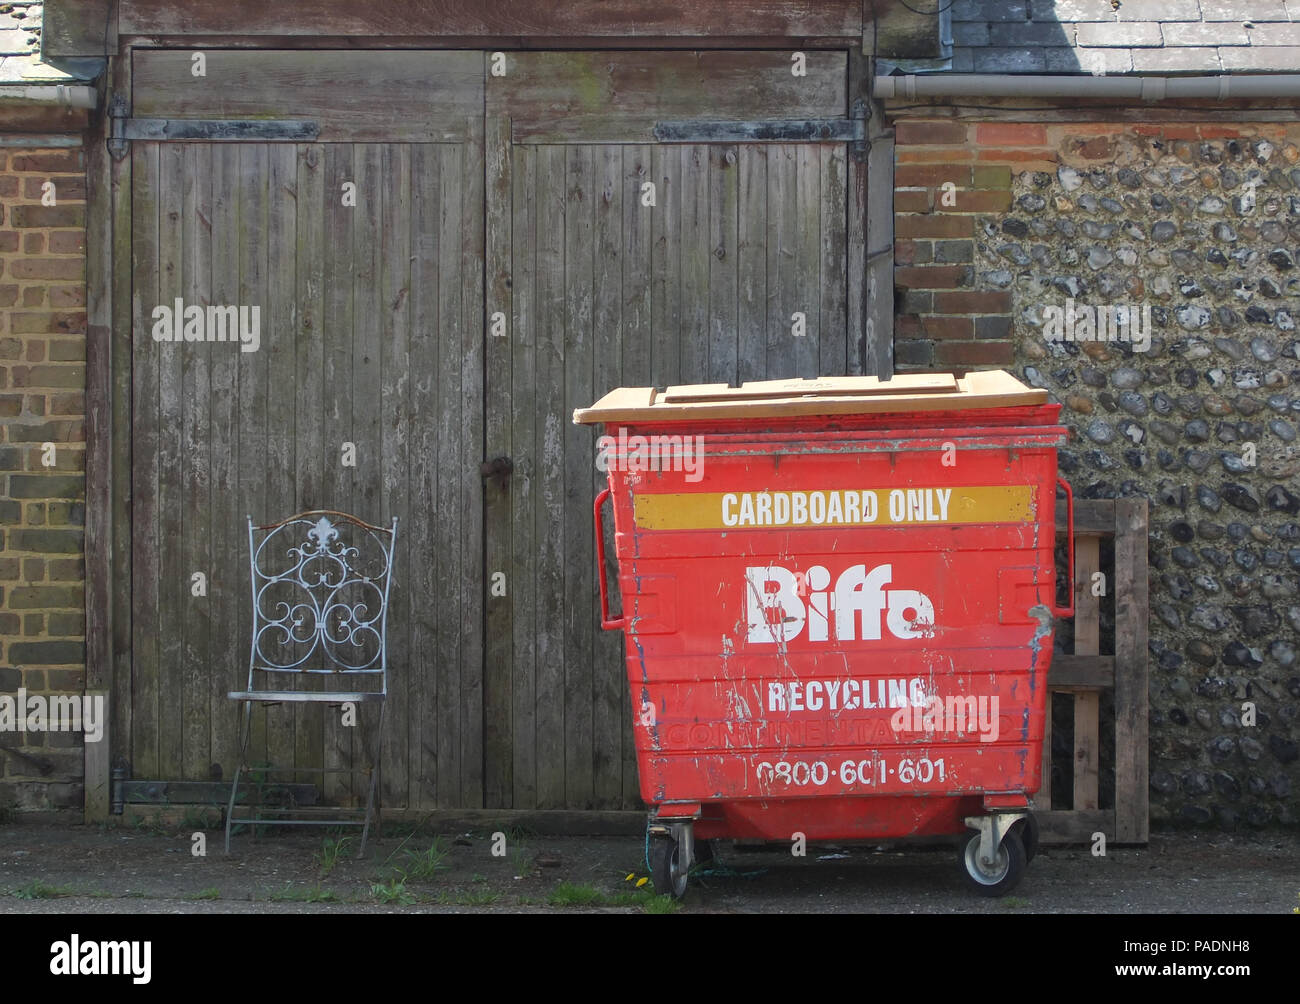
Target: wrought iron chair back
320 586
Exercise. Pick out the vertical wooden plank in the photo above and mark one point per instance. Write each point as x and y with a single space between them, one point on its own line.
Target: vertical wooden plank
336 388
638 335
871 241
367 383
609 676
724 230
751 263
173 575
808 280
579 459
252 468
549 468
695 259
449 584
101 610
498 756
128 330
1086 704
1132 817
833 327
870 198
395 375
228 584
525 482
195 669
665 267
423 534
309 365
635 330
472 331
783 291
277 345
145 196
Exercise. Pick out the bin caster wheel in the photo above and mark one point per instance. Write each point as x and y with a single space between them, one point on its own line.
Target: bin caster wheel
1006 871
1028 831
665 872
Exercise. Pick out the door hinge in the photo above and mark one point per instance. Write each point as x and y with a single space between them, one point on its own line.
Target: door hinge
218 130
850 130
118 111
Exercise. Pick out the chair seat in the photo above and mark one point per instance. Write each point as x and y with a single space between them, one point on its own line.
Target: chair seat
303 696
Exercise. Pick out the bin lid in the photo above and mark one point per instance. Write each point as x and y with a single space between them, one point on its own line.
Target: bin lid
840 395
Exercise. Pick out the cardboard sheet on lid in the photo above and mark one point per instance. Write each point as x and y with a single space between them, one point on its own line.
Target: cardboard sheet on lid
844 395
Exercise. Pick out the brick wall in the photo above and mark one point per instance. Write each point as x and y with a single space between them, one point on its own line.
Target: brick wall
946 319
42 509
1199 224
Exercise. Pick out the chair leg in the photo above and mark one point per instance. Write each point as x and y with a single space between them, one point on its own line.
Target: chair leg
245 728
376 751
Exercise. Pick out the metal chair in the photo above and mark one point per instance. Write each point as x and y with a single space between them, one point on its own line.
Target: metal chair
320 583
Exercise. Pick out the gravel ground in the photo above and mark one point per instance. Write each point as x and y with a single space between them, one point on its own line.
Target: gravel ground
92 869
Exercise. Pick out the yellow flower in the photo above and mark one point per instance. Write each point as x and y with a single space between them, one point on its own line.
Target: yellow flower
630 877
641 881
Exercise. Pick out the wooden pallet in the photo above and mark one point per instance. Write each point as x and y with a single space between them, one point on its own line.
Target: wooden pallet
1087 672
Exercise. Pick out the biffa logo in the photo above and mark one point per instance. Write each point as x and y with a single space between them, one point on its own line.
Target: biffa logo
775 612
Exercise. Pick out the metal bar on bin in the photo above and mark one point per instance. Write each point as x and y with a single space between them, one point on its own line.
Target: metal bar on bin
1067 611
606 622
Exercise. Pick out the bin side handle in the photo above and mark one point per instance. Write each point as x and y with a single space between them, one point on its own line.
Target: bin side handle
606 622
1068 611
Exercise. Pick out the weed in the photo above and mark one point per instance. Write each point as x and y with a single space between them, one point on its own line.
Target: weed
41 890
423 865
199 819
303 894
662 904
212 892
477 897
328 856
478 878
521 861
571 894
392 892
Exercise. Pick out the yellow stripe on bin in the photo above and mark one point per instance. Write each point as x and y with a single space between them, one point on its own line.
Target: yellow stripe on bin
832 507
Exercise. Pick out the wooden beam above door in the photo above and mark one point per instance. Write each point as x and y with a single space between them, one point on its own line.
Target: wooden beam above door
410 96
618 96
756 19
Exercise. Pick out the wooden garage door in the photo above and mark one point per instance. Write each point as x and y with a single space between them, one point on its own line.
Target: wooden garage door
363 251
515 246
620 259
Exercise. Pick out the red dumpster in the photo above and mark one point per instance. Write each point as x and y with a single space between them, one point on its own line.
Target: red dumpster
837 599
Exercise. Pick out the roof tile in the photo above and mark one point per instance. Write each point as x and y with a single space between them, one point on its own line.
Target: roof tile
1035 34
1179 60
1155 10
1188 33
1120 35
990 10
1260 58
996 60
1243 10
